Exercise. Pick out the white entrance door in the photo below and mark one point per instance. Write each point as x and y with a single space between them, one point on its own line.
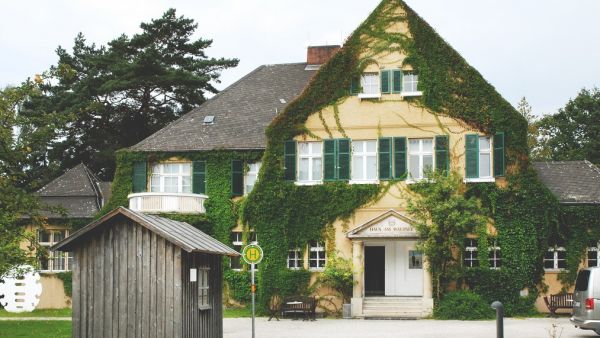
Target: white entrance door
403 269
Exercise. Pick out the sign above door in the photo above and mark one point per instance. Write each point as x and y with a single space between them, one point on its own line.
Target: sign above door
390 224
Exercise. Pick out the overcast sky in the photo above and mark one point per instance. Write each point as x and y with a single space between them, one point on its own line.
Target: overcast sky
544 50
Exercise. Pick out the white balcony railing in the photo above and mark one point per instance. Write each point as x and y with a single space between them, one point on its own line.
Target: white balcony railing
158 202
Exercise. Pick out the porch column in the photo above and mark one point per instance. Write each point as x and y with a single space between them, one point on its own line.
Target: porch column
427 289
358 268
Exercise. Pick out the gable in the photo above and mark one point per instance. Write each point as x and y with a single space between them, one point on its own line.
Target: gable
390 224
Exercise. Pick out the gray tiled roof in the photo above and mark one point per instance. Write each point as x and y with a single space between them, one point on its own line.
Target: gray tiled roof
242 112
78 191
571 181
180 234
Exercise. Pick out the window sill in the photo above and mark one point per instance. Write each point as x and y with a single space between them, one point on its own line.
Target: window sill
480 180
316 269
204 308
364 96
301 183
412 181
554 270
363 182
411 94
295 269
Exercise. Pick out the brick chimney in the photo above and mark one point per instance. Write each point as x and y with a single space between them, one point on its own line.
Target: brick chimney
318 55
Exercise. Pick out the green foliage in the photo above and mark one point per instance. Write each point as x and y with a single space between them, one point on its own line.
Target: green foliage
238 285
463 305
116 95
574 132
443 218
580 228
19 154
498 285
67 279
338 276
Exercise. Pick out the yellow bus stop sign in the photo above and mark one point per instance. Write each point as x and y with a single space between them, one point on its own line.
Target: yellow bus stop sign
252 254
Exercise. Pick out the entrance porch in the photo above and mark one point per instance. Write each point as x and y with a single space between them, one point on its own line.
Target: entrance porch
391 275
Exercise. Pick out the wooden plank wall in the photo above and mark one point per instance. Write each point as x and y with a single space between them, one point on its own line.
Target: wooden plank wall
127 283
202 323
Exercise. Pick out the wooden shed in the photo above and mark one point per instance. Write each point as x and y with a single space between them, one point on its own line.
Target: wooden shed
139 275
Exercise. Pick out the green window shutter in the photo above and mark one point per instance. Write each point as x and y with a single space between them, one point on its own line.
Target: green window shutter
400 158
385 81
397 81
472 156
289 162
385 158
237 178
199 177
343 159
442 158
329 165
355 86
140 177
499 157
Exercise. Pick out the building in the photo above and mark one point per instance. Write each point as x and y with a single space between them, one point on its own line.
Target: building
137 275
314 160
576 184
71 201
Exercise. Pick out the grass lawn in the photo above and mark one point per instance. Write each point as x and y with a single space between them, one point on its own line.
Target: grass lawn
237 312
38 313
35 328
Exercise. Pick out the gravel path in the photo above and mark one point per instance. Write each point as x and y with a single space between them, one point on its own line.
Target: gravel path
339 328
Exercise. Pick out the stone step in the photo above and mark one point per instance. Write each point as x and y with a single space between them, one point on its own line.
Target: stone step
392 314
392 306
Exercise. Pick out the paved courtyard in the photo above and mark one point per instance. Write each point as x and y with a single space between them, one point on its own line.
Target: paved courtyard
339 328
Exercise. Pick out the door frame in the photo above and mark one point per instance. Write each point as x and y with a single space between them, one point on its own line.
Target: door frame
384 242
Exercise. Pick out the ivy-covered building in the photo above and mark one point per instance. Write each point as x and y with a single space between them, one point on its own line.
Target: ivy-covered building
315 161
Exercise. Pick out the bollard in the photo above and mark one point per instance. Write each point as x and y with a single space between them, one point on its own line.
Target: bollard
499 318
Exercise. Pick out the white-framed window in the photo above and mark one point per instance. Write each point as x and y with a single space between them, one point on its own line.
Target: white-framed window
236 240
420 157
485 157
56 261
370 83
593 255
295 259
494 257
470 257
555 258
410 81
204 288
251 176
316 255
310 162
171 178
364 160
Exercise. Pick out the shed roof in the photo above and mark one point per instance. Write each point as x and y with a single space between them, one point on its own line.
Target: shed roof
241 113
180 234
572 182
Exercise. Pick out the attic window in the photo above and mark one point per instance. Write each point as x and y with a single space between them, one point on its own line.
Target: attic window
210 119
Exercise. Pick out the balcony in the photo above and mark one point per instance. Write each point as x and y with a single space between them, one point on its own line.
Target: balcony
159 202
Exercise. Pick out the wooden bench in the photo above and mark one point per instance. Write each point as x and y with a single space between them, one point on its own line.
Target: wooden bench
305 306
559 301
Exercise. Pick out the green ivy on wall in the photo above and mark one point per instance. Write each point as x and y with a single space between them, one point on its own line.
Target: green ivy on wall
285 215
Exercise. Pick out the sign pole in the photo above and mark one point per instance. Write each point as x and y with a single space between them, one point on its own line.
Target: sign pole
253 300
253 254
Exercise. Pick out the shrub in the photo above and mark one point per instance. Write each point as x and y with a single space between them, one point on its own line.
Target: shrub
499 285
238 283
338 276
463 305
